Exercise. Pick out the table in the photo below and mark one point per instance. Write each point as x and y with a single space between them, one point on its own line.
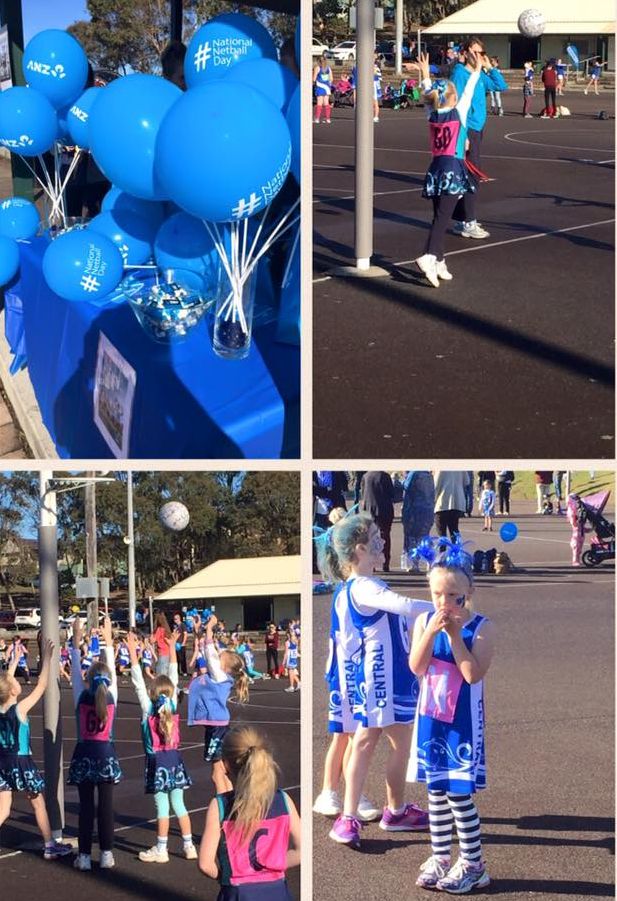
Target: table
188 403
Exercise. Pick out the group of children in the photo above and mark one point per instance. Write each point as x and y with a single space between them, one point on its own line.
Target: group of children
243 770
425 695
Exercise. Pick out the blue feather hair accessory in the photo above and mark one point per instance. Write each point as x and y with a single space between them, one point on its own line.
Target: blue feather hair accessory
439 551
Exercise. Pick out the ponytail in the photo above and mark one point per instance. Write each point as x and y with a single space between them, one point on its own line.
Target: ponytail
254 775
336 547
161 691
100 703
236 669
99 678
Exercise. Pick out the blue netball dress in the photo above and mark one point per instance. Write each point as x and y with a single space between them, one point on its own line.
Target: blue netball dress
377 93
292 655
447 173
123 654
386 691
146 658
18 771
165 769
254 870
94 758
447 750
343 659
323 82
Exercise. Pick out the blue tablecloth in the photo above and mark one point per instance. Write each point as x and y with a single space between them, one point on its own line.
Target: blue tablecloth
188 404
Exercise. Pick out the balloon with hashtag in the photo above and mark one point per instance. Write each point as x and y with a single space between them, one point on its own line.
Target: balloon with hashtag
83 265
222 43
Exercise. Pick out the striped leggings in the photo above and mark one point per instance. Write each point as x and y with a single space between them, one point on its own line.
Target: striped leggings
446 808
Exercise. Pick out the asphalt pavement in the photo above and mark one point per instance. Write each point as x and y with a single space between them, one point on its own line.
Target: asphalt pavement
515 356
548 812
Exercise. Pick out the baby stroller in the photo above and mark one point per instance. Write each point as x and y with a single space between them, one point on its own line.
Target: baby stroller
603 539
342 93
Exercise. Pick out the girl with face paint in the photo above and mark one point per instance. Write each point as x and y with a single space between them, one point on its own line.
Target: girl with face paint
451 650
372 691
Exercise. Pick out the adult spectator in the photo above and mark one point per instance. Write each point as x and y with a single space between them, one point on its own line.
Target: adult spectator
418 507
159 637
272 650
469 494
559 491
449 500
180 627
505 477
544 482
549 80
487 475
378 500
329 489
172 63
357 486
466 223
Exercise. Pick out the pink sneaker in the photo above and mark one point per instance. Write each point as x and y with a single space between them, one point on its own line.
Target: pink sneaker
346 831
412 818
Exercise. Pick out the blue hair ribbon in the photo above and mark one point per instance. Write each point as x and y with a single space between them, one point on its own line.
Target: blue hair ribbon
162 702
100 679
440 85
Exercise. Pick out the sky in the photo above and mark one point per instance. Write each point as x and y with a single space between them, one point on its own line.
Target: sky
41 14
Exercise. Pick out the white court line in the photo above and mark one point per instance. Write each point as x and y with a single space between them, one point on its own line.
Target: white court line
485 156
536 131
375 194
452 253
11 854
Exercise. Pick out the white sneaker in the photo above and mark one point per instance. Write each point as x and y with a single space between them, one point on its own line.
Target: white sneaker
190 852
367 811
107 860
328 803
474 230
443 272
427 266
154 855
83 862
375 118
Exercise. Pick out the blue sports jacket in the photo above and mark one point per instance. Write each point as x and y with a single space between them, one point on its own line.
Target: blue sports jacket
488 81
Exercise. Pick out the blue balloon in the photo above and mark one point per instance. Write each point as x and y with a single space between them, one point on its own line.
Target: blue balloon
293 123
9 259
123 127
233 156
64 135
19 218
56 65
183 242
82 265
28 121
131 234
224 42
277 82
78 117
508 531
153 211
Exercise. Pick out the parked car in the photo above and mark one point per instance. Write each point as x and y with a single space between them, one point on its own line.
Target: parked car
28 618
344 52
319 49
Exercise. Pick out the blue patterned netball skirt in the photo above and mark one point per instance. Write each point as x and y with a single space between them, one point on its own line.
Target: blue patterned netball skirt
20 773
165 771
447 175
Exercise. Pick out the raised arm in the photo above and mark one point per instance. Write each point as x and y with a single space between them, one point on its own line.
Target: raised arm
213 661
464 102
47 656
109 657
76 676
295 835
137 676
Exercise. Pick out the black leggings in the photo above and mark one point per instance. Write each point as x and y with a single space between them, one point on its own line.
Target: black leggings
504 496
447 521
466 207
443 209
105 816
272 661
550 101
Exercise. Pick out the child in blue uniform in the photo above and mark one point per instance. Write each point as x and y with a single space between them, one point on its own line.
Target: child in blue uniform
487 505
19 652
94 765
290 661
122 656
528 74
166 776
252 832
18 771
208 698
377 92
594 75
447 179
451 651
148 658
322 79
384 690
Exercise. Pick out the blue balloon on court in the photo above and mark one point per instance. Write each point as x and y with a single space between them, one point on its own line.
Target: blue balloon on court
293 123
132 235
9 259
183 242
82 265
78 117
55 64
28 121
123 126
19 218
234 155
223 42
508 531
277 82
153 211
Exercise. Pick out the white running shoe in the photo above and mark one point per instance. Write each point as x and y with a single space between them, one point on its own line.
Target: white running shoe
107 860
83 862
328 803
154 855
427 266
190 852
474 230
367 811
443 272
375 118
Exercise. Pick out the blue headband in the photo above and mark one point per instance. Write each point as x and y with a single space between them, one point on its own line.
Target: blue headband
162 702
